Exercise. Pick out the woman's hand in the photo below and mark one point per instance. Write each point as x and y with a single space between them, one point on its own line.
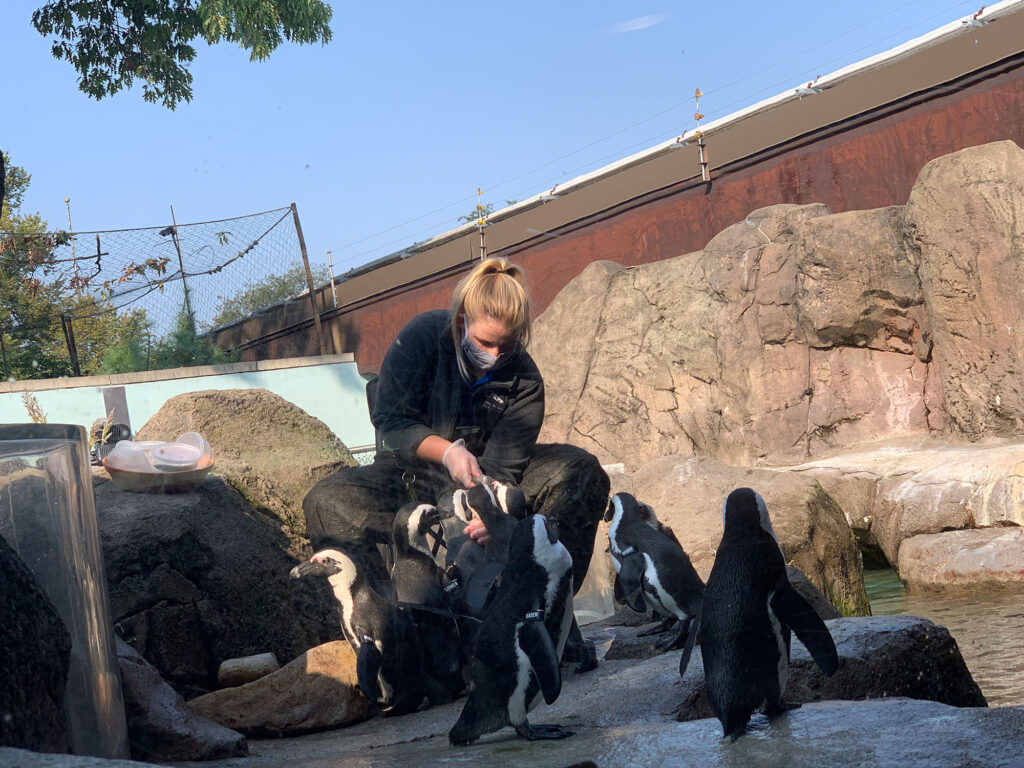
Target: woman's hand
461 464
477 531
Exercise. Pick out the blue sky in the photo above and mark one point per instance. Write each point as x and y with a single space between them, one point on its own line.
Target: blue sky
382 137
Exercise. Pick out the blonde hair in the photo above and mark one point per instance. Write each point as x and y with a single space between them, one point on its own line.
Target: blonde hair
494 289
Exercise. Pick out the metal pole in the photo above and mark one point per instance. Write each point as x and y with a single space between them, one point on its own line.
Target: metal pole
330 268
69 337
3 347
181 265
74 261
309 282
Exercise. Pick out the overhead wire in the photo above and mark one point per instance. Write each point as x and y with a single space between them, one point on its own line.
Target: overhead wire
635 146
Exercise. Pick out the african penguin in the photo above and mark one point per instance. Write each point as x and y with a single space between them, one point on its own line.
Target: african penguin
748 611
419 588
651 566
518 648
500 507
389 662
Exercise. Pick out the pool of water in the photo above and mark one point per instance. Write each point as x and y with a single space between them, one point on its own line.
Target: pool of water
989 630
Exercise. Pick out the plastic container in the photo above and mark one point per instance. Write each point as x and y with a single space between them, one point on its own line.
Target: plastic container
198 442
175 457
48 516
130 456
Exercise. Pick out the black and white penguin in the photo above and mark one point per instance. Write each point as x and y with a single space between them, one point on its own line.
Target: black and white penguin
419 588
651 566
389 662
518 648
477 566
748 611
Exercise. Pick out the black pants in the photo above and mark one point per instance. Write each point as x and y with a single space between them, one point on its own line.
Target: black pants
358 504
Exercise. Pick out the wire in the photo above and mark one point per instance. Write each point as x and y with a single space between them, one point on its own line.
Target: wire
589 165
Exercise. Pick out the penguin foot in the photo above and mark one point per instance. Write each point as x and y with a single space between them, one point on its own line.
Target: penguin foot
779 707
542 732
663 626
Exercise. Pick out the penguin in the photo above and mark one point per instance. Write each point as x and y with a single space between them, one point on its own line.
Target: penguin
518 648
389 661
748 611
651 566
419 589
478 567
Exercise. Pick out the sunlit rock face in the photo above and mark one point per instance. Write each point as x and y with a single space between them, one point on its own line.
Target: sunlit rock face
798 332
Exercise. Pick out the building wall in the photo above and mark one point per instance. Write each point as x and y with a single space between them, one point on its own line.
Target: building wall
866 162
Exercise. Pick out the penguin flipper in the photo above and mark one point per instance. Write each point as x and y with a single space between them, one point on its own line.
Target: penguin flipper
368 663
797 614
536 644
629 583
691 628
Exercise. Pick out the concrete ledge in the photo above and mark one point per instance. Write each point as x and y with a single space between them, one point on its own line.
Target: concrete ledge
118 379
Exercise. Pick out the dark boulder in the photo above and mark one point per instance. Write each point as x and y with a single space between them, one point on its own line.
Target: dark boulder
196 578
34 655
160 724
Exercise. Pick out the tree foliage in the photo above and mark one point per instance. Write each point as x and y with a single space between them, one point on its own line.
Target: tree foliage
112 43
265 292
34 296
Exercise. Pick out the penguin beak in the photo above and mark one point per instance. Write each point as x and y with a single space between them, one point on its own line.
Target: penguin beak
610 512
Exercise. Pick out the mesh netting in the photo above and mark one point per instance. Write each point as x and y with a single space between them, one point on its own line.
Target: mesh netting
191 267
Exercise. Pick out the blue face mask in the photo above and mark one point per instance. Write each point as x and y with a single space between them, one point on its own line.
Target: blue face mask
480 358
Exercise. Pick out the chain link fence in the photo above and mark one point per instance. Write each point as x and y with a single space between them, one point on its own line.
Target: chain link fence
193 268
208 274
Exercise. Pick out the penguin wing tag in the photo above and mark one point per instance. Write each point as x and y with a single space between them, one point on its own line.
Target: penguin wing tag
536 644
797 614
367 668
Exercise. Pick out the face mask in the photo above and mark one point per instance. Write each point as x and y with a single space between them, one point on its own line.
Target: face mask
480 358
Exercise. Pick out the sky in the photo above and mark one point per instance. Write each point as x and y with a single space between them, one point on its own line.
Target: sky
382 137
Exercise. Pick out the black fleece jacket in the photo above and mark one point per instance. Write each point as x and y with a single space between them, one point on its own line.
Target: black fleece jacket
419 393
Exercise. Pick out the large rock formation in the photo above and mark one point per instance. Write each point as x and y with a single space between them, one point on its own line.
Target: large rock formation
271 450
805 332
909 488
34 656
197 578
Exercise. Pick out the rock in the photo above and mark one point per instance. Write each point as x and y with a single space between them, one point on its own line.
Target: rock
160 725
759 354
687 495
812 594
628 643
197 578
879 656
317 690
270 450
903 489
889 733
805 334
241 671
35 649
964 561
963 217
22 758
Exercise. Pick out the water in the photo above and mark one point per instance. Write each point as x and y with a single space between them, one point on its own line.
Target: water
989 630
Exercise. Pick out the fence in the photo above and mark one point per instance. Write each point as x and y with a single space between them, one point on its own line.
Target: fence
207 273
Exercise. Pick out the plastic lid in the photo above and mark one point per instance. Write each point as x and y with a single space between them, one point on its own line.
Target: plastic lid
129 456
175 456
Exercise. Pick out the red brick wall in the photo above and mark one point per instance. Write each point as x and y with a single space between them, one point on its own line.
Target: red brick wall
869 162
